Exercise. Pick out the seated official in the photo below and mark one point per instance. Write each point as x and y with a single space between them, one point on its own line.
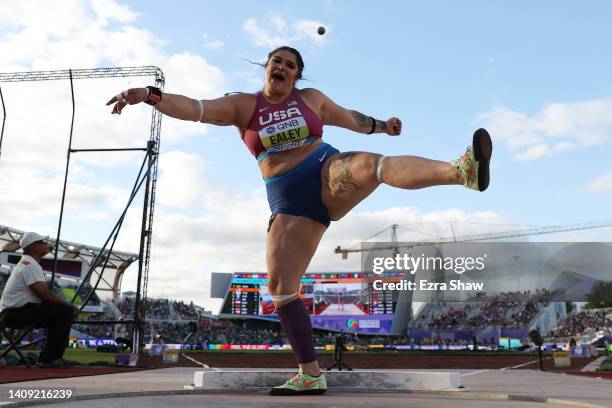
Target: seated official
27 300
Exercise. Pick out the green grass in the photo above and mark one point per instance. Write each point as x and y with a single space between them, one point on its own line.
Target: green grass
83 356
606 365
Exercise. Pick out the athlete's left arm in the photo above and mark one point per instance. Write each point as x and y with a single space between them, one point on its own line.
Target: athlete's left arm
335 115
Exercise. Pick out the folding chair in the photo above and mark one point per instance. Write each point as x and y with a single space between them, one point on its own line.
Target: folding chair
15 340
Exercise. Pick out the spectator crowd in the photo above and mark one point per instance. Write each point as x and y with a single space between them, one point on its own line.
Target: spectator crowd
581 322
508 310
161 309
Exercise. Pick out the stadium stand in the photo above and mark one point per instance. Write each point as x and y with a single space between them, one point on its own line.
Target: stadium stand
162 309
587 323
507 310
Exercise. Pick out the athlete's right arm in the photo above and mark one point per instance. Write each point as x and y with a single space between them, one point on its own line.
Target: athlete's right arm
229 110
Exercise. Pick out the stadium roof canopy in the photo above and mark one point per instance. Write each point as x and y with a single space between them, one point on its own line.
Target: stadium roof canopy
9 242
110 277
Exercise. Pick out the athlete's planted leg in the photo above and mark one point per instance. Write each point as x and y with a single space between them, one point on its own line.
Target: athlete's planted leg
292 241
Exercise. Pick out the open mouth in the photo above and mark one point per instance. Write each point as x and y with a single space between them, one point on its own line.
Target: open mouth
278 77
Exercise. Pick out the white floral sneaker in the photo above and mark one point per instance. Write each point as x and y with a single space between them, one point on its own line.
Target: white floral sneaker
474 164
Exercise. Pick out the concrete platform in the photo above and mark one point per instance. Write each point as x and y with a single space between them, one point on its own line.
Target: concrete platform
361 380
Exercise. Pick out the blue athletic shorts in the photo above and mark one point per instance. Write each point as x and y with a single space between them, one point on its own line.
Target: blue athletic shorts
298 191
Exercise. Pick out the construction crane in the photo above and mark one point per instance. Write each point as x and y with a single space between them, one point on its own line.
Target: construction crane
551 229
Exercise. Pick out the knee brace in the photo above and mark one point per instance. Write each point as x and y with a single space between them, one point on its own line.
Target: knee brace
282 298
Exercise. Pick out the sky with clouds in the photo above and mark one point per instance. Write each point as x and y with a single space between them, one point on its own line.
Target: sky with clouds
538 76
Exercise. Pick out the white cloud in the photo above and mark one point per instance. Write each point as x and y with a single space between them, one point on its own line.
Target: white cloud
556 127
561 146
193 76
180 184
602 184
88 34
58 35
110 10
276 31
73 33
57 19
211 44
533 152
214 45
95 216
32 195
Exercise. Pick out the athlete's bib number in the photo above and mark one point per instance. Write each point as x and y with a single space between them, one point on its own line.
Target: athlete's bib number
284 135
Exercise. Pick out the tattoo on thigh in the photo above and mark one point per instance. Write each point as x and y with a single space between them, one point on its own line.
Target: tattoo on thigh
340 179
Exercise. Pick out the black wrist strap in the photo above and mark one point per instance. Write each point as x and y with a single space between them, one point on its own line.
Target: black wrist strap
373 126
154 95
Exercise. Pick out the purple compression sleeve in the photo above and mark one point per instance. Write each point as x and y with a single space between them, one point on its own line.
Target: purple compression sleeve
296 324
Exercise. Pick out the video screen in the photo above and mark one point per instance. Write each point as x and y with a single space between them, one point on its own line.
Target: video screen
333 300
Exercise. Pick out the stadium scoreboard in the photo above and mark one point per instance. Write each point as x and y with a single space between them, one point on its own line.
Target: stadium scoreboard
381 301
243 299
333 300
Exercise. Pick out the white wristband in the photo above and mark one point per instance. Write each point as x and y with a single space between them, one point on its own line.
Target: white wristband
201 105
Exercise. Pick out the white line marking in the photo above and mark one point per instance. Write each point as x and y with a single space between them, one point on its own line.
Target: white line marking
474 373
524 364
199 363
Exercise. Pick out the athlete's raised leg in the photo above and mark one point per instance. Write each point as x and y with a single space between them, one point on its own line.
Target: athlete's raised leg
348 178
